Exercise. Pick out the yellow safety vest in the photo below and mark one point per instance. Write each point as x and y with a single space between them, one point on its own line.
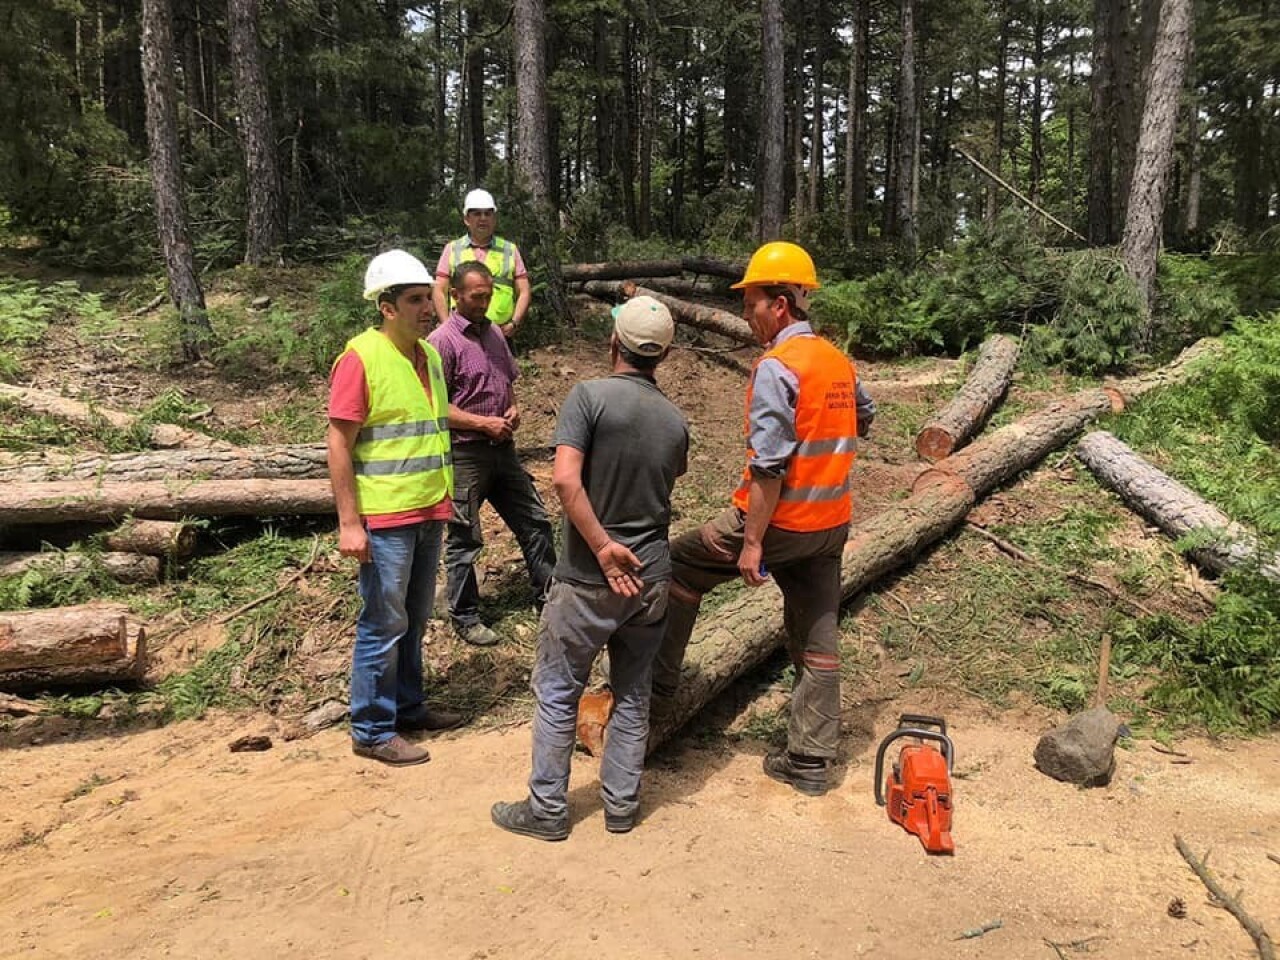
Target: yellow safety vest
501 261
401 457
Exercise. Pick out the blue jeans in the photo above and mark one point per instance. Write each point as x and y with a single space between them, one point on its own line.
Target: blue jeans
578 621
398 589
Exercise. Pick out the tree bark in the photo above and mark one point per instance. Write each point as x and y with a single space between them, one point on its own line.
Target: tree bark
120 566
772 126
265 230
283 462
855 169
88 644
1101 79
90 417
1140 245
1126 114
532 161
817 137
155 538
166 175
478 150
968 410
691 314
729 269
621 270
1175 509
1001 98
908 109
89 501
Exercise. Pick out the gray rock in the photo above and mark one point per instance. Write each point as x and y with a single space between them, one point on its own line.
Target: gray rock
1082 750
260 303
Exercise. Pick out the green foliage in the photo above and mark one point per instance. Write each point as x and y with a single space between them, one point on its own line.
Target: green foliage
49 586
1097 314
1220 432
27 309
207 684
1193 301
1224 672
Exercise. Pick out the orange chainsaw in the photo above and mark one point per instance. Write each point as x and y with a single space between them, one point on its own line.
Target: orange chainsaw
919 785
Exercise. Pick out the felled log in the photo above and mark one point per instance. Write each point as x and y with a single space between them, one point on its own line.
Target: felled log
156 538
122 567
969 408
303 461
728 269
691 314
1175 509
747 630
621 270
89 644
83 501
91 416
1002 455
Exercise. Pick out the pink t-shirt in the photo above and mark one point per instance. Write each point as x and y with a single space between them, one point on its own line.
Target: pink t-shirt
349 401
442 266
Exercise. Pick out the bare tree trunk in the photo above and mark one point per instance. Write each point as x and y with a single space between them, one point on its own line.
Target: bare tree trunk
772 124
166 176
1001 96
1126 113
855 158
644 213
1036 171
1141 242
908 133
533 160
1101 79
798 124
265 230
816 138
479 150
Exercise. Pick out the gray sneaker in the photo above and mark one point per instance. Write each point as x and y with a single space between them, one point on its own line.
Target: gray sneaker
519 818
619 823
806 774
397 752
478 635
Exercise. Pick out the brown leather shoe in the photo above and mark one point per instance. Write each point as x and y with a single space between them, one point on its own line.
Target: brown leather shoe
397 752
424 718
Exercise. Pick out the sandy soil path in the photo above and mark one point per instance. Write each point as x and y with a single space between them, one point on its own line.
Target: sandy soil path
307 851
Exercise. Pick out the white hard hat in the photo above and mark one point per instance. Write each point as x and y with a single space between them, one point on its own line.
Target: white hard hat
395 268
479 200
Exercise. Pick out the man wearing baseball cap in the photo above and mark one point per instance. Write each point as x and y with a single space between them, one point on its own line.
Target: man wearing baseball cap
620 444
511 288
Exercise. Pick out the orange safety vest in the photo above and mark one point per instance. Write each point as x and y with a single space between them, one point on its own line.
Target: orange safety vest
815 488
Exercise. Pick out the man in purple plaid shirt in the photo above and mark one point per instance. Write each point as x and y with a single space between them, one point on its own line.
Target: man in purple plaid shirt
483 418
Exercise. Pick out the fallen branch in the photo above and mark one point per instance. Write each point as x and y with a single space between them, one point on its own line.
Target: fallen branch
1175 509
968 410
289 582
146 308
1255 930
996 179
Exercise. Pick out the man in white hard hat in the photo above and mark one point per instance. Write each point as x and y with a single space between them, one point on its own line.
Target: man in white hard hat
392 476
620 444
511 288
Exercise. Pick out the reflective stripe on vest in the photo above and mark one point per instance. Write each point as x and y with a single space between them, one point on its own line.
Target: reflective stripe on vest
402 457
815 488
501 261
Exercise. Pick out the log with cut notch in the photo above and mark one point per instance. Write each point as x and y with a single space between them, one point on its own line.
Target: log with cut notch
70 646
1180 512
981 393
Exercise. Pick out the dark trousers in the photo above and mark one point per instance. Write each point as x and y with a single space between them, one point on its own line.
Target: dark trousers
806 567
486 472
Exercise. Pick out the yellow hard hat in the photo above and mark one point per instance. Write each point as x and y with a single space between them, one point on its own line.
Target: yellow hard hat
780 262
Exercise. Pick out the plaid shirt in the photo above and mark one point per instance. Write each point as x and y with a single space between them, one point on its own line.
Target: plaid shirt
478 369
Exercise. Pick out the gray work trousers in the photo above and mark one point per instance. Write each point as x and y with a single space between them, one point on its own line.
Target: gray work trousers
806 567
578 621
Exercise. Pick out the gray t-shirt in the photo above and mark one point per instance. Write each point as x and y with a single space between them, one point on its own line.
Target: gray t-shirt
636 443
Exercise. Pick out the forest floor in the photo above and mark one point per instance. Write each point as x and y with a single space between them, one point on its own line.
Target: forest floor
118 840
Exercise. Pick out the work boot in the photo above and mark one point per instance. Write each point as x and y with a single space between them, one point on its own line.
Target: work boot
806 774
478 635
519 818
619 822
397 752
423 717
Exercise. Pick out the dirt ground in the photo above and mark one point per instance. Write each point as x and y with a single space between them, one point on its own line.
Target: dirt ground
185 850
161 843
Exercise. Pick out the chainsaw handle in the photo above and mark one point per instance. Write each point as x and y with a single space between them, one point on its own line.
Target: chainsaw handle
922 720
948 751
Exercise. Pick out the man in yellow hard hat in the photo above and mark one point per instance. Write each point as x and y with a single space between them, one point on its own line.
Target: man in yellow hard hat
389 463
790 513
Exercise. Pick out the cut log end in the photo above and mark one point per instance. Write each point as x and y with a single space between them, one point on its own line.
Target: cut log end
934 443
